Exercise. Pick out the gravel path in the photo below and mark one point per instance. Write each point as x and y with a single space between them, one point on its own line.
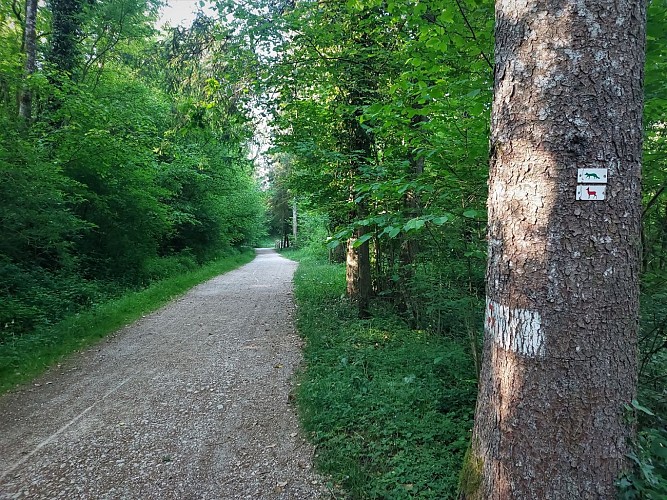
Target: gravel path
192 401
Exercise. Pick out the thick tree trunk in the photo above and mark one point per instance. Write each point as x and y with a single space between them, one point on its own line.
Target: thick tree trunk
30 45
562 282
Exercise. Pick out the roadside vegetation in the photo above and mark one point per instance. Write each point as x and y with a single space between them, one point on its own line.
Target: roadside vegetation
388 408
124 170
23 357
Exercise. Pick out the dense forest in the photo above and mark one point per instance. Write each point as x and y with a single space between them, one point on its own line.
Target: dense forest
123 155
126 156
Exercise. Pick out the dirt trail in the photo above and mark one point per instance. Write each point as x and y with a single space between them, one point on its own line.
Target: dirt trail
189 402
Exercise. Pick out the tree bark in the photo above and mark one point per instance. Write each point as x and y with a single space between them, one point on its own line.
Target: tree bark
358 273
562 281
30 47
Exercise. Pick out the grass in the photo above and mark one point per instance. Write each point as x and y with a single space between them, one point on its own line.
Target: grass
389 409
25 357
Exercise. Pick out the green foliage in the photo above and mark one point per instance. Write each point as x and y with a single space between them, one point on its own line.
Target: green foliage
381 121
648 477
312 226
388 408
38 268
119 177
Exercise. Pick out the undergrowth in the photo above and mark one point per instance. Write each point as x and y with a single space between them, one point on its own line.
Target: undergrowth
26 356
389 409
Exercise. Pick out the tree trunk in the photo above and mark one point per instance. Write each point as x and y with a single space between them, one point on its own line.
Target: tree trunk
409 245
294 220
359 147
358 273
562 281
30 44
663 242
66 24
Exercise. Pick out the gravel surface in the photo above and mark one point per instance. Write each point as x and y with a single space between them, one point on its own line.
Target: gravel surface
192 401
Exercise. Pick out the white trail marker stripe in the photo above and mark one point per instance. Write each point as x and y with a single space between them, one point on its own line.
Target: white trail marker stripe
517 330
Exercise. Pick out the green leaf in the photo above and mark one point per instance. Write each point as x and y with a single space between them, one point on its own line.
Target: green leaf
414 224
447 15
643 409
332 244
391 231
362 239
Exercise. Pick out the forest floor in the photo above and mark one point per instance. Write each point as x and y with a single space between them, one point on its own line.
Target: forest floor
192 401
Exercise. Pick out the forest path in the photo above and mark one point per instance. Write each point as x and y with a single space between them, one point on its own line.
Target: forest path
190 402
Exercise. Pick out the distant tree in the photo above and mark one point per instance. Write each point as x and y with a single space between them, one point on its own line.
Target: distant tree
30 48
66 25
559 363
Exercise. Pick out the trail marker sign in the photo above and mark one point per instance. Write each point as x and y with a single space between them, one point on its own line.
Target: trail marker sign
595 193
594 189
592 175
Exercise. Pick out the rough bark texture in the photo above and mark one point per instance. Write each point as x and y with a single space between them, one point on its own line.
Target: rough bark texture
30 44
562 281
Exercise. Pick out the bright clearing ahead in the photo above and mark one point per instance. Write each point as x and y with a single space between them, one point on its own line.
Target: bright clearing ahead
182 12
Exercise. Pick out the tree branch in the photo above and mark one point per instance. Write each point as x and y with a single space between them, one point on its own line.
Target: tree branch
472 32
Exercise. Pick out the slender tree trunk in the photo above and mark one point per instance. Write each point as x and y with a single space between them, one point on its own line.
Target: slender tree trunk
358 276
359 148
358 266
30 45
294 220
663 242
562 282
409 245
286 229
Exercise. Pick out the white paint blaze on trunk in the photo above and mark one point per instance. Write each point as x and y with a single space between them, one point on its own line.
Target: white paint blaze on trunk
516 330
